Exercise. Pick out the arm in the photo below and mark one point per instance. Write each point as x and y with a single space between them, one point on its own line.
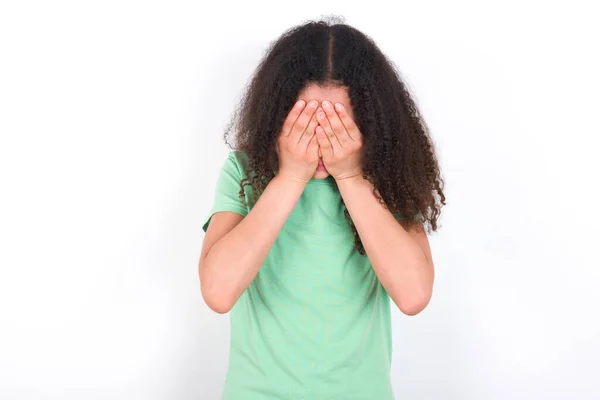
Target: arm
235 247
401 259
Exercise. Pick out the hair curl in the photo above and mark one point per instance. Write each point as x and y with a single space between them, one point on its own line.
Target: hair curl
399 156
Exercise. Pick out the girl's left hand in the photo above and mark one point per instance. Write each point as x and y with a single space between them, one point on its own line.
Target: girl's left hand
340 141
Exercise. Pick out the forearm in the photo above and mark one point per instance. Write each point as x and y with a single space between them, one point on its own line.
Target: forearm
233 261
398 260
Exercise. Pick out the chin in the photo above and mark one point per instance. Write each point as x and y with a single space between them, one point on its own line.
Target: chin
321 174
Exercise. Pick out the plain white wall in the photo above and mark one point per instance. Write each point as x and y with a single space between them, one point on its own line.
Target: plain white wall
111 115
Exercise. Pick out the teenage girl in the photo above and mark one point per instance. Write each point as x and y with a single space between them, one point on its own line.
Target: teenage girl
319 218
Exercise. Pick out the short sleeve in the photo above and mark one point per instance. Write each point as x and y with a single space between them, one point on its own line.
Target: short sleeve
227 190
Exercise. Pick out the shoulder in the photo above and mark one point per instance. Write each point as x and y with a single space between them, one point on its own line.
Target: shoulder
238 159
235 163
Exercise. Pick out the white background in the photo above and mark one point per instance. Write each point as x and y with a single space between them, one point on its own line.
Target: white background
111 115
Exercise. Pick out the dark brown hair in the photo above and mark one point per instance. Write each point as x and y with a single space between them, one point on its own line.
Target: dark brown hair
399 158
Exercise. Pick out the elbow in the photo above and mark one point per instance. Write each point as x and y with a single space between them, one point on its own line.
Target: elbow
219 303
411 310
217 298
413 305
214 295
220 307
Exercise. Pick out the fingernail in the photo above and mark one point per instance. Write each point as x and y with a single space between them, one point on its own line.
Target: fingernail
326 104
339 107
320 114
300 103
312 104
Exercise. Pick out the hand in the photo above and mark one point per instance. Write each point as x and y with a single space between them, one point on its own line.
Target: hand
340 141
297 146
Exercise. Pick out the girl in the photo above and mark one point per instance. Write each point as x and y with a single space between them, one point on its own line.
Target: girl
319 218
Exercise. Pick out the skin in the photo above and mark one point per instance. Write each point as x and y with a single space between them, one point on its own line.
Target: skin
334 94
319 127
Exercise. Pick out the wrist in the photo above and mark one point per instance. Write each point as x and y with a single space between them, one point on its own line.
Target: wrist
290 180
350 178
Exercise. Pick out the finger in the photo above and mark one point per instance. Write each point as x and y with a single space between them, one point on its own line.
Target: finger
324 145
337 126
313 148
303 120
326 125
349 124
292 117
309 133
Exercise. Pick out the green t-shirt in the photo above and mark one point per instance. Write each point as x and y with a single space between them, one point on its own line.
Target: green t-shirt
314 324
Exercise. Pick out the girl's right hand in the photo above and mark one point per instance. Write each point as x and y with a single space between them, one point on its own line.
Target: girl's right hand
297 145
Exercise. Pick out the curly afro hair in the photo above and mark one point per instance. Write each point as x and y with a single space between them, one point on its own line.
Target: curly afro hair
399 156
